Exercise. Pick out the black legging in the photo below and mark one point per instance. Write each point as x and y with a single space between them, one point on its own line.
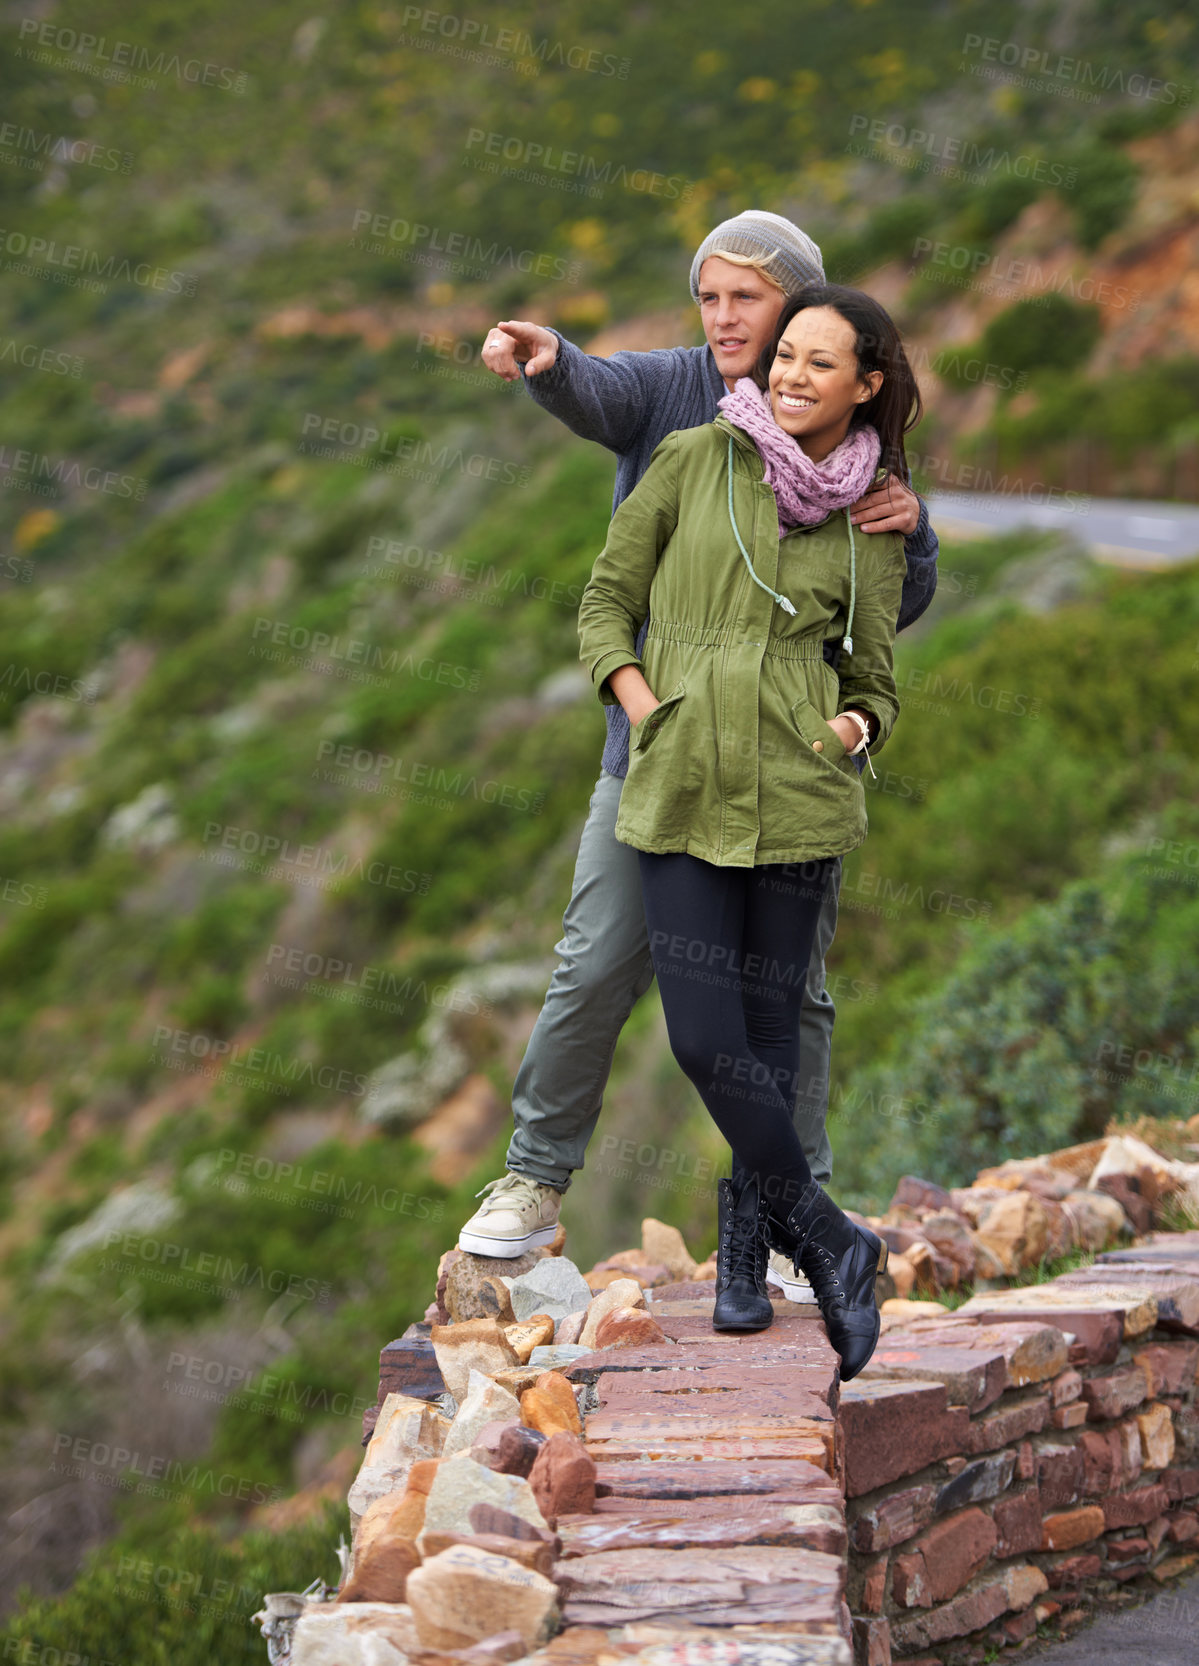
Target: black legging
731 948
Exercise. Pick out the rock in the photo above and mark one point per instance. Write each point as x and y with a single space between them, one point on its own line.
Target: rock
980 1479
1112 1393
537 1332
1015 1228
393 1520
1017 1523
409 1366
705 1273
1096 1220
465 1594
550 1406
559 1356
1135 1508
407 1431
471 1345
894 1519
1022 1584
490 1518
911 1193
530 1553
354 1634
1126 1190
663 1243
496 1650
563 1478
624 1292
474 1288
648 1275
899 1308
571 1327
485 1448
1060 1471
485 1402
949 1235
628 1327
1072 1527
517 1449
1157 1436
942 1560
894 1429
461 1484
903 1276
380 1573
1169 1367
554 1286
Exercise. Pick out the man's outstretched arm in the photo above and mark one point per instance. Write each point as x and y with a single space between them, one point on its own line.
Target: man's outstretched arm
606 400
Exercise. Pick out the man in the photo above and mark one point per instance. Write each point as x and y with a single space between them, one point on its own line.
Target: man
742 274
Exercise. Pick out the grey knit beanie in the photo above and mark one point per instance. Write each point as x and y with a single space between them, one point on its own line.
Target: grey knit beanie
788 255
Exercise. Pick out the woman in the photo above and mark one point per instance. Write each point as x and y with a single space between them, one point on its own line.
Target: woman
742 784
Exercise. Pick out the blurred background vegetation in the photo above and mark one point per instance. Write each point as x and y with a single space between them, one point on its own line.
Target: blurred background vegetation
190 489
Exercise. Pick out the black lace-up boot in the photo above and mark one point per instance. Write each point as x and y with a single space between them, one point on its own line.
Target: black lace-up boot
741 1299
840 1260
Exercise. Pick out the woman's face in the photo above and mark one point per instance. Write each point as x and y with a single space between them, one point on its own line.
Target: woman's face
815 382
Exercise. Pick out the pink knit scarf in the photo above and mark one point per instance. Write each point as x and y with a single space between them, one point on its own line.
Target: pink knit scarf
805 491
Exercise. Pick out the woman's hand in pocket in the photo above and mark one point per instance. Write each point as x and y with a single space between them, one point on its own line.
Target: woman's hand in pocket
634 693
847 731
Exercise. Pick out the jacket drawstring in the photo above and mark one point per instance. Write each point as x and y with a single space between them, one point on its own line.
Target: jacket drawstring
847 640
787 607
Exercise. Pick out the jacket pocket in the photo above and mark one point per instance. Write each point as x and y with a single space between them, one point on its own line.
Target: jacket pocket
822 739
643 733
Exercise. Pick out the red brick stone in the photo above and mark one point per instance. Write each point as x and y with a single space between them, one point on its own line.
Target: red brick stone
1097 1333
1026 1461
894 1429
1019 1626
1127 1550
1073 1527
1005 1425
1181 1483
942 1560
1018 1523
1156 1530
1101 1462
973 1377
1069 1572
1134 1509
1171 1366
1183 1527
1064 1389
969 1612
874 1588
1069 1417
1112 1393
894 1519
1059 1475
871 1642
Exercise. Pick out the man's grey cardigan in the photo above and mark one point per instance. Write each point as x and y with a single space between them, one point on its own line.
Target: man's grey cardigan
630 403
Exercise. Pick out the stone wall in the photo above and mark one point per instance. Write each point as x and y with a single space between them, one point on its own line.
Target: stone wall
572 1468
1022 1458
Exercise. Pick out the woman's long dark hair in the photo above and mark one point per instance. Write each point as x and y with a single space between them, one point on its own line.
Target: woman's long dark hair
897 406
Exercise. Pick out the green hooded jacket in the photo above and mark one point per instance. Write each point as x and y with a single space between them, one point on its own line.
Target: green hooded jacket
738 764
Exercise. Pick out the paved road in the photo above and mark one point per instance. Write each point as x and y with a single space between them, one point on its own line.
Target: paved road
1161 1632
1126 531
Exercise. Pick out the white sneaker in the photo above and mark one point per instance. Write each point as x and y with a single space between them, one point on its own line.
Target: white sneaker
518 1215
782 1275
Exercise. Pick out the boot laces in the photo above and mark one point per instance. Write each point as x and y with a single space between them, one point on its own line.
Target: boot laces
741 1237
820 1269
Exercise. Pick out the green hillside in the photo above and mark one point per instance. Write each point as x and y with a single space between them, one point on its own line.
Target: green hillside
294 749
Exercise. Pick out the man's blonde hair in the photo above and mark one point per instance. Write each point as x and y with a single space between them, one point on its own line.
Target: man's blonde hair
760 264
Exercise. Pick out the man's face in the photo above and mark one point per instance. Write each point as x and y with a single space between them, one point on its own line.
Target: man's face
739 308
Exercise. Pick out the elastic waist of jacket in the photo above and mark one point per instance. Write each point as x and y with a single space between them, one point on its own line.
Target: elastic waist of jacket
717 636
